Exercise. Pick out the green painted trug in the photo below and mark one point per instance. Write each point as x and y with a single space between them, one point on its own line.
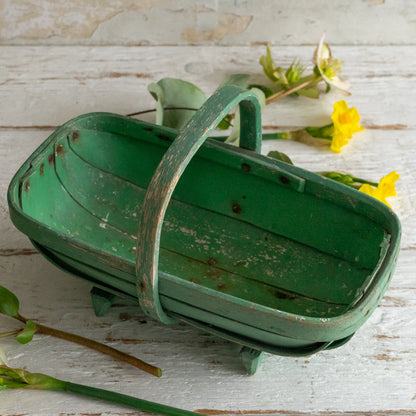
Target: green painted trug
252 249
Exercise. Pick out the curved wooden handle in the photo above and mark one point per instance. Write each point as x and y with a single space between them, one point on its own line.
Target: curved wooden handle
168 174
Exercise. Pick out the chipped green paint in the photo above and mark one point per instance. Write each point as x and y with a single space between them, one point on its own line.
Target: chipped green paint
255 250
167 175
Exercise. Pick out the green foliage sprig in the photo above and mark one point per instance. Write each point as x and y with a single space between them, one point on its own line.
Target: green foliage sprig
9 306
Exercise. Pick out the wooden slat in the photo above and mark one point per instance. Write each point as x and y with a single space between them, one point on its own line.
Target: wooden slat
49 85
361 157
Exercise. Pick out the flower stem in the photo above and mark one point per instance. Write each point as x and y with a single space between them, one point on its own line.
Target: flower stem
152 110
284 135
281 94
15 378
9 333
105 349
365 181
125 400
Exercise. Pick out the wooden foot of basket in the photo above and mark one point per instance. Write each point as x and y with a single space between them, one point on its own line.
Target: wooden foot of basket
251 359
101 301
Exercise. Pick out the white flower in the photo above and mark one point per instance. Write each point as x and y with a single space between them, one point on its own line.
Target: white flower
329 67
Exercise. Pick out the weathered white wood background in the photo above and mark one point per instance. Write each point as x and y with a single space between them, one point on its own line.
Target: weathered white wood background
206 22
60 59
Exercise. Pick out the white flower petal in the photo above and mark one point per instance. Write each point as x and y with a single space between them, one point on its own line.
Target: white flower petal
321 57
3 358
341 84
319 51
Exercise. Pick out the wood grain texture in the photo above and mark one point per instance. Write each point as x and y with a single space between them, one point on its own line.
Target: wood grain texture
206 22
42 87
68 81
376 368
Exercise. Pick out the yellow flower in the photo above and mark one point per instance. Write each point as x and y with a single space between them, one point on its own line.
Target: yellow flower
385 188
346 123
329 67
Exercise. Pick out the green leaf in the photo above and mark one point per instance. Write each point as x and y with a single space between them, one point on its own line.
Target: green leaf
175 93
27 333
234 137
280 156
269 68
309 92
316 71
325 132
235 80
266 90
225 122
9 304
294 72
15 378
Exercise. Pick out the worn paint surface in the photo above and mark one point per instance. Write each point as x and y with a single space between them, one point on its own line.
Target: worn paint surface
76 19
228 24
206 22
374 374
74 188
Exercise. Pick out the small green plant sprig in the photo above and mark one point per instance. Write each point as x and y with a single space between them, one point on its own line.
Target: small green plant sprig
177 100
14 378
9 306
292 81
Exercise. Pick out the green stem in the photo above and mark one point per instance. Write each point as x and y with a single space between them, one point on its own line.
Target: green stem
286 135
16 378
125 400
347 179
105 349
365 181
152 110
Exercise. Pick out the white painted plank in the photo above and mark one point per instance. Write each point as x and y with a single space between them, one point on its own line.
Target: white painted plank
49 85
206 22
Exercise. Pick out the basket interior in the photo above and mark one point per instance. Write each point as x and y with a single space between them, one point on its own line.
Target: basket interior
228 229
